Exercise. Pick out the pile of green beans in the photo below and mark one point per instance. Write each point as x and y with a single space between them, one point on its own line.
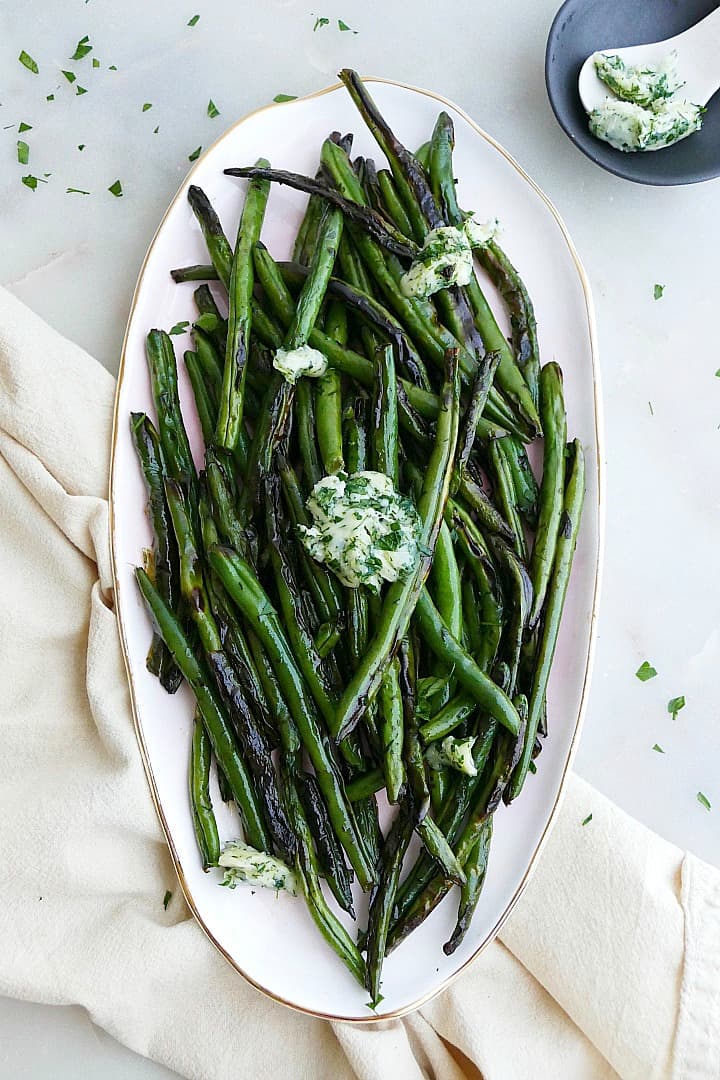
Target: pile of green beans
313 697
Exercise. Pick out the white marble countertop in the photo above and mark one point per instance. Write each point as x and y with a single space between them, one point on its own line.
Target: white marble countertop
74 259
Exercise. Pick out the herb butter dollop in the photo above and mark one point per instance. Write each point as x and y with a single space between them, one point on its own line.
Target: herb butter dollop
445 259
363 529
454 753
645 113
293 363
244 864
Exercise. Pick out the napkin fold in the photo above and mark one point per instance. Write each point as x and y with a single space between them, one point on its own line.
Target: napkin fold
609 964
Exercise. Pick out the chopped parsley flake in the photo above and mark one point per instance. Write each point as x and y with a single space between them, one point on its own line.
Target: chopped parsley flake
652 411
675 705
146 106
70 76
212 109
704 801
285 97
81 146
645 671
75 191
82 49
195 154
166 899
116 189
23 152
344 26
180 327
320 21
194 20
95 62
22 126
155 130
80 90
658 749
112 67
33 181
587 820
27 61
658 290
50 97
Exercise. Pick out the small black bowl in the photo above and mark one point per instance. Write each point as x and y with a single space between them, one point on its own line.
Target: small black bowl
582 27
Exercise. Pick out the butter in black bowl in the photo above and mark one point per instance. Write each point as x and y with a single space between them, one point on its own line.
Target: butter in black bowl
582 27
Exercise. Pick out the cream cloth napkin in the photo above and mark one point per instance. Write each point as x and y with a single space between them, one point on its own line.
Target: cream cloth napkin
609 965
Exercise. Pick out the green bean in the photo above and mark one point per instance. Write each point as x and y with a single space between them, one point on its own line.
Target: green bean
328 398
391 732
365 784
214 719
324 589
468 674
402 596
177 455
478 399
230 413
248 594
407 173
214 325
373 315
385 415
445 585
490 603
306 432
552 409
383 898
527 493
203 402
509 375
164 551
437 846
329 852
197 272
298 633
459 709
422 155
393 205
504 491
522 317
520 589
204 823
309 873
475 872
382 231
192 584
218 246
255 747
450 820
557 589
490 519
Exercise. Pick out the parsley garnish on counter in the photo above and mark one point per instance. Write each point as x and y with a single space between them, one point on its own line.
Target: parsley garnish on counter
587 820
116 189
27 61
675 705
194 20
284 97
23 152
645 671
320 21
658 290
195 154
704 801
212 109
82 48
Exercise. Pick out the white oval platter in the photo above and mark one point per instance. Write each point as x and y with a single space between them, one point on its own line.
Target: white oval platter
271 940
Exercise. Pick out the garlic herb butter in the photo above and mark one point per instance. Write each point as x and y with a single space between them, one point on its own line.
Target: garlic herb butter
364 530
